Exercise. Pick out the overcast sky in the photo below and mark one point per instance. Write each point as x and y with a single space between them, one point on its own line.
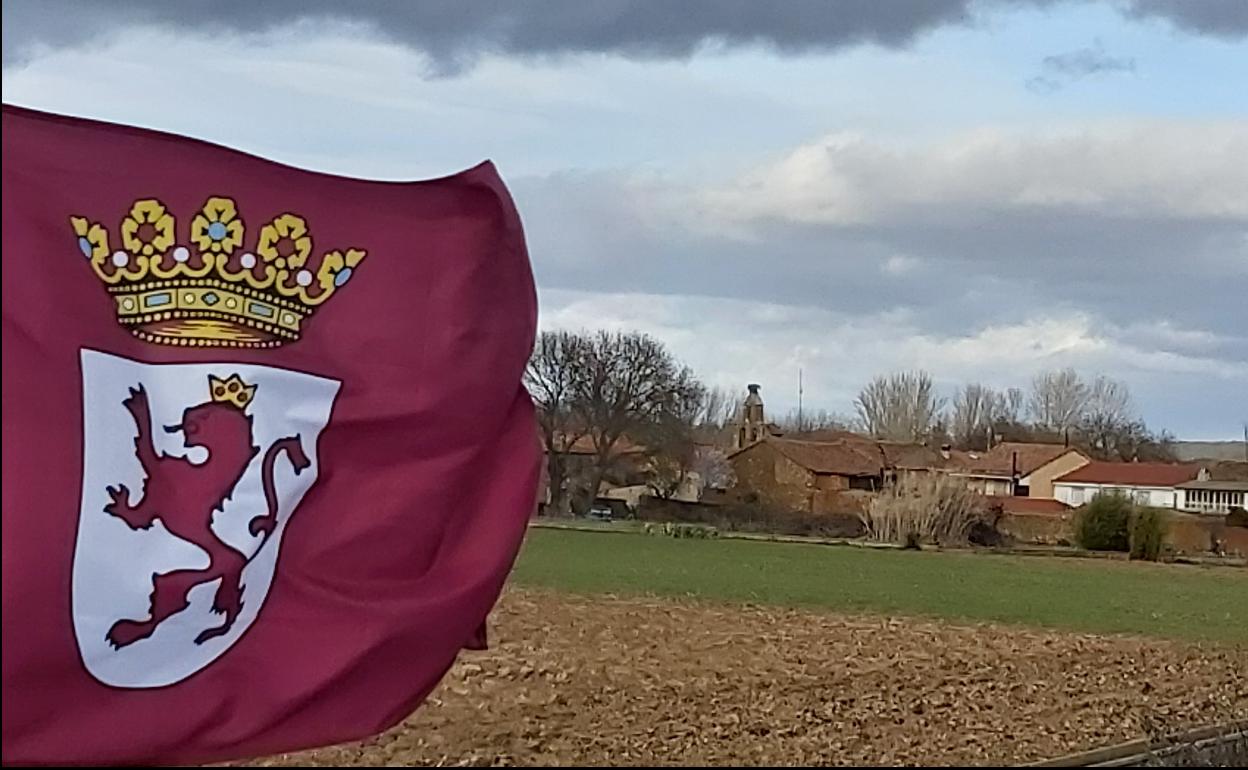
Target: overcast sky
980 188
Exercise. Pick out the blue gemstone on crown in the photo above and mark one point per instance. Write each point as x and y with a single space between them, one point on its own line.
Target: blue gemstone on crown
216 231
256 308
342 276
210 298
84 246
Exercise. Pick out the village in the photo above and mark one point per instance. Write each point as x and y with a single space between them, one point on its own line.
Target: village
733 468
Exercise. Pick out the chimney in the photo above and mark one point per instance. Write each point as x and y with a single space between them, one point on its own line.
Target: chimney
944 450
752 419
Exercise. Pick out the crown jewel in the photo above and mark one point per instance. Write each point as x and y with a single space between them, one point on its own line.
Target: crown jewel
209 289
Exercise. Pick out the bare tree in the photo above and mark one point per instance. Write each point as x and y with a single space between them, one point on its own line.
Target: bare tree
719 407
688 466
1109 399
1057 400
551 381
1008 424
822 419
627 384
981 416
671 442
1108 424
901 406
1012 408
975 409
713 468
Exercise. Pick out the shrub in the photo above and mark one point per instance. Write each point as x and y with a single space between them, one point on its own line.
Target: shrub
1104 523
1148 532
742 517
926 508
681 531
1238 517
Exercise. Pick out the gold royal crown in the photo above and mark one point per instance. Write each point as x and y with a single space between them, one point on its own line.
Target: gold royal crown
231 391
212 291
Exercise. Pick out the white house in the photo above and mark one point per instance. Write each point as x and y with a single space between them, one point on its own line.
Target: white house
1217 492
1152 484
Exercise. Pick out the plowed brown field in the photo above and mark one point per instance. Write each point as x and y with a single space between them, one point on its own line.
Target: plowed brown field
606 681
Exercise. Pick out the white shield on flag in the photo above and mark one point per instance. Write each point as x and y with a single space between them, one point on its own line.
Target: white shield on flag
191 474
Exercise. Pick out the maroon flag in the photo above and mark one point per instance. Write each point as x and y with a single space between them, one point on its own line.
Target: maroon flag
267 455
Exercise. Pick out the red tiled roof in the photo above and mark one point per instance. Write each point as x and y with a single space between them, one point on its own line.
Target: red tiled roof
1030 456
838 458
1000 459
1029 504
907 456
910 456
1133 474
828 434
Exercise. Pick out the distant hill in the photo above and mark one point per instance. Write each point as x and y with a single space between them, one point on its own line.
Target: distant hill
1210 450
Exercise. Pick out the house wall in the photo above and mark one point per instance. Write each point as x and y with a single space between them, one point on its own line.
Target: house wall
1078 493
852 502
1185 532
630 495
1039 528
1195 533
997 487
1040 481
986 485
776 481
828 482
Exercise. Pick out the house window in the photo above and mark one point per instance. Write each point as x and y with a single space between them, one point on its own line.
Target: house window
1076 495
1141 497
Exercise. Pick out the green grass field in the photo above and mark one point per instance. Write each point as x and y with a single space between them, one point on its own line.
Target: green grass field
1081 594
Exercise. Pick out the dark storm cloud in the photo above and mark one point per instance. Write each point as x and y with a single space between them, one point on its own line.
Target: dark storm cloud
455 32
1219 18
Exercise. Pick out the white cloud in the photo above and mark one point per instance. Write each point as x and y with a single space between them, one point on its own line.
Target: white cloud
1180 169
732 342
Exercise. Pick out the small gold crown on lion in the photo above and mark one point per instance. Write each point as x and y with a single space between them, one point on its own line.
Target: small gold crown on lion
210 290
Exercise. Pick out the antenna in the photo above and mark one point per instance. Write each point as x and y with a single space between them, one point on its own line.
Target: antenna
801 426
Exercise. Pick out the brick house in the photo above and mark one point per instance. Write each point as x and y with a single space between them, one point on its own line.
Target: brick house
1009 469
806 476
1016 468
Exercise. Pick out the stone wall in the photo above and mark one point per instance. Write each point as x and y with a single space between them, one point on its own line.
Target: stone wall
1187 533
769 479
